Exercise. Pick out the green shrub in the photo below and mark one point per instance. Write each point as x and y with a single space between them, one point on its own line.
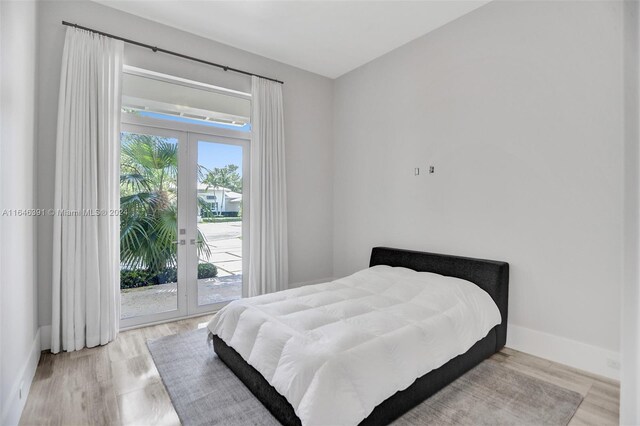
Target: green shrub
207 270
221 219
133 278
168 275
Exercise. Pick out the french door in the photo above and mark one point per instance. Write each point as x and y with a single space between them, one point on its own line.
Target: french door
184 221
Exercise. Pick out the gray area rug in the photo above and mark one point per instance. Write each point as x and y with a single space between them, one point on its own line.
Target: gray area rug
205 392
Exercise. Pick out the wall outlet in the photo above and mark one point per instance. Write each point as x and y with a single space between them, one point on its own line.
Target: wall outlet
612 363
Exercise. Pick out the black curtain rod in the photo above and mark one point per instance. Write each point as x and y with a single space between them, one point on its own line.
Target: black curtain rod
169 52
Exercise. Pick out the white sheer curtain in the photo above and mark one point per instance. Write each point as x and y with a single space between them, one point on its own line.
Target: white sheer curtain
268 258
86 248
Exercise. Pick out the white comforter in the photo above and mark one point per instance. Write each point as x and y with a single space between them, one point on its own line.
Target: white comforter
338 349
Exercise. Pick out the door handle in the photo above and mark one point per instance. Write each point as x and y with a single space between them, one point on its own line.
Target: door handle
180 242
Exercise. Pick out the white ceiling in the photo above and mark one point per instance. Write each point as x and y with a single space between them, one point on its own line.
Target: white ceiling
329 38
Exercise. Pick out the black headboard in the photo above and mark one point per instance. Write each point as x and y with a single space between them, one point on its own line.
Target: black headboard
490 275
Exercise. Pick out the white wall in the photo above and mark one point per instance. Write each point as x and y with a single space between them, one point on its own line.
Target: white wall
518 105
630 342
308 101
19 338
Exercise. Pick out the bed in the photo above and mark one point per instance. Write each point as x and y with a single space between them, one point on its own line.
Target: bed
490 276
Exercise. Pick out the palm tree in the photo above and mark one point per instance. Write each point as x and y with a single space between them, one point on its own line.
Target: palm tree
148 202
226 177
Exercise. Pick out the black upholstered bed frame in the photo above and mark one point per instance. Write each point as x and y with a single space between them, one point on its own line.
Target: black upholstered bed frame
491 276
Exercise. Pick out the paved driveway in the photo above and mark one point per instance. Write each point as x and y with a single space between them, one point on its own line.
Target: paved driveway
225 242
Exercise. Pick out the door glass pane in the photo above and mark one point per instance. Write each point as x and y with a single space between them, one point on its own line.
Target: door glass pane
219 222
148 227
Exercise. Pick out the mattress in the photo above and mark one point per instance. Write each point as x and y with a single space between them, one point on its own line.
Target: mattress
336 350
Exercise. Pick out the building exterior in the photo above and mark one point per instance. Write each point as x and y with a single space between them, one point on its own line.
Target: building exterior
218 201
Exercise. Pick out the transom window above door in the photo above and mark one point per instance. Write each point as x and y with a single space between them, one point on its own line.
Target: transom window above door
151 94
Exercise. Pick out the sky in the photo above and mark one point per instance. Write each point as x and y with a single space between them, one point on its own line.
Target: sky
212 155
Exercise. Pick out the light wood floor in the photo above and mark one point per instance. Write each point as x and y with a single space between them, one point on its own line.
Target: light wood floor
119 384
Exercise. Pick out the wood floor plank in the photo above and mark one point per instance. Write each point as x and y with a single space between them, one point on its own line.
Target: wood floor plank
134 374
606 391
118 384
603 407
148 406
586 416
559 378
128 345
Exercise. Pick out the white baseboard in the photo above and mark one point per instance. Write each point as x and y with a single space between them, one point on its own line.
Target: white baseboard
45 337
575 354
318 281
15 401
